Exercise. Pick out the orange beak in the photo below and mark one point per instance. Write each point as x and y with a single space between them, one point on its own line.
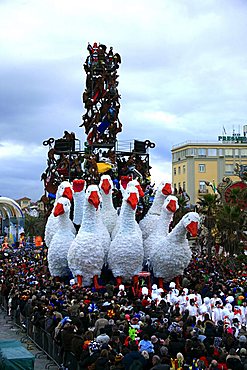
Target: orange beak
132 200
94 199
106 186
192 228
140 191
167 189
59 210
78 185
172 206
68 193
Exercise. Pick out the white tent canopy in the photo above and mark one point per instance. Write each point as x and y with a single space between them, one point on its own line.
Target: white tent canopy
9 208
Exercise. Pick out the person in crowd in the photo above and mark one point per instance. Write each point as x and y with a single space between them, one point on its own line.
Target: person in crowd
157 365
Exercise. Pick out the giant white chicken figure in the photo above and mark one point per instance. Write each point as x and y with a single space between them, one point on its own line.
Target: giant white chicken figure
127 182
108 212
103 234
149 222
62 238
171 254
64 190
86 253
169 207
79 188
125 255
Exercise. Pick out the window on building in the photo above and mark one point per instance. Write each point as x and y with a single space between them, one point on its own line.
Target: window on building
212 152
174 171
236 152
184 168
190 151
184 186
183 153
229 169
202 187
175 185
228 152
202 167
202 152
179 170
243 152
220 152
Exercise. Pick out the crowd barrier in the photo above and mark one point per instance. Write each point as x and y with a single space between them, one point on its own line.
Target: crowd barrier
43 341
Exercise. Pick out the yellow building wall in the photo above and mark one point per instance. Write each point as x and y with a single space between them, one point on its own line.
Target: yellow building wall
210 174
181 177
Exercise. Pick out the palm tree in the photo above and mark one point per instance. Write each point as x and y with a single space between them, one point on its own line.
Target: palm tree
34 225
208 207
232 218
182 210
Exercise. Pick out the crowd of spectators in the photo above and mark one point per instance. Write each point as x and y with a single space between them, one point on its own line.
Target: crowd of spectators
113 329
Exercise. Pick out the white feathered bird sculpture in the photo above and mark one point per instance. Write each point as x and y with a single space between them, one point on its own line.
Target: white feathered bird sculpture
79 188
171 254
86 253
108 212
149 222
125 255
128 183
61 241
169 207
64 190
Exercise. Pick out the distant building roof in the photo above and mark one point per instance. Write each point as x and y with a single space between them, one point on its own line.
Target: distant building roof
24 198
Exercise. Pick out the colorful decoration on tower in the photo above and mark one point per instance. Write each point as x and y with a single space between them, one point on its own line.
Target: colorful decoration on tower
101 97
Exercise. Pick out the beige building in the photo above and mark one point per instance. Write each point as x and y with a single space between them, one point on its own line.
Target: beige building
24 202
194 163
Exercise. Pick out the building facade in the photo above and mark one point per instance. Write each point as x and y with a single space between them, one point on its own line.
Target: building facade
194 164
24 202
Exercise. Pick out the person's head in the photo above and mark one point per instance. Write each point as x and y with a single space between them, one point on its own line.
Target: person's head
133 346
156 360
154 339
243 352
242 339
145 337
163 351
88 335
104 353
232 352
145 354
213 365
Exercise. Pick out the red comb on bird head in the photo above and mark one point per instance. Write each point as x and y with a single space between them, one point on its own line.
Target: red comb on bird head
78 185
167 189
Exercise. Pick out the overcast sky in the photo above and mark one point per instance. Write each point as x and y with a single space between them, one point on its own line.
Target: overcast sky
183 76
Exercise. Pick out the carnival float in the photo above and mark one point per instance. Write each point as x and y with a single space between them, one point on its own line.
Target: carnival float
97 198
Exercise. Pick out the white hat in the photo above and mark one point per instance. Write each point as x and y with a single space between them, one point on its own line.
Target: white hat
206 300
172 285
